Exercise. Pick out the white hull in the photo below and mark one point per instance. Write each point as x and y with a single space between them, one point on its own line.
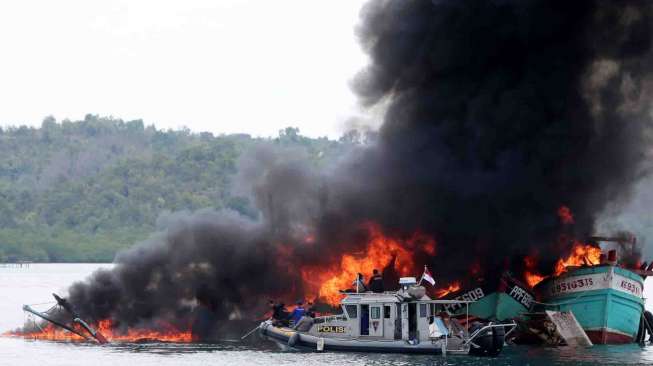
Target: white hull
298 340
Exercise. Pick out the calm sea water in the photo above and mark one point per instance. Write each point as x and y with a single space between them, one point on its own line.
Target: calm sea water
33 285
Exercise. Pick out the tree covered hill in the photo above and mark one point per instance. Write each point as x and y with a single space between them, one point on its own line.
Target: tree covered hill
81 190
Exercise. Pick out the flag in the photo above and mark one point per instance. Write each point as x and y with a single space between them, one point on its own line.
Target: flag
426 276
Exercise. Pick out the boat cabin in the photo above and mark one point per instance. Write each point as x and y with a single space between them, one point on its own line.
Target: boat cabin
407 314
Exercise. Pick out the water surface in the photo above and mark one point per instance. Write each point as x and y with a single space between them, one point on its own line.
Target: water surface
33 285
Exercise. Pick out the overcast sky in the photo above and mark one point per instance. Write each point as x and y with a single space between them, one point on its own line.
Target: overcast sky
252 66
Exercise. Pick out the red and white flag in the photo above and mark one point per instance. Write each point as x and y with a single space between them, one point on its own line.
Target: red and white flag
426 276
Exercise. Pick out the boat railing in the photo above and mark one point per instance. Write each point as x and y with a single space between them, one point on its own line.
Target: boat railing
329 318
369 293
394 293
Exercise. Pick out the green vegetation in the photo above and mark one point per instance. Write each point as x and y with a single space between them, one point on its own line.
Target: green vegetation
82 190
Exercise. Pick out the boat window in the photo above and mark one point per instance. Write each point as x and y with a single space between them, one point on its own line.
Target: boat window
386 311
351 311
422 310
376 312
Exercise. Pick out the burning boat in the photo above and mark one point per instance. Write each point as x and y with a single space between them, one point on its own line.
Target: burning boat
502 299
603 295
62 322
405 321
606 298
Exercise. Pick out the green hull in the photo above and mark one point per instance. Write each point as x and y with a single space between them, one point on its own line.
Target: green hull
497 306
507 299
606 300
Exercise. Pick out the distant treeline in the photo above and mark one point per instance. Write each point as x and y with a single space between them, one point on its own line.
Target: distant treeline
81 190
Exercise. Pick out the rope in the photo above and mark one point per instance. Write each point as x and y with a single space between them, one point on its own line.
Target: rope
52 308
31 319
43 303
37 324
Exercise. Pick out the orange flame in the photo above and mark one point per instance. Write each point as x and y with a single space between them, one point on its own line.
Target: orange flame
581 254
530 273
532 278
442 292
164 333
379 252
48 332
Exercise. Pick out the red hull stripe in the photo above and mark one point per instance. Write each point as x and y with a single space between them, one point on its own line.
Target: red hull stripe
605 337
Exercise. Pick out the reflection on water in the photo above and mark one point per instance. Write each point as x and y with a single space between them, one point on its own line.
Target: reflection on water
34 285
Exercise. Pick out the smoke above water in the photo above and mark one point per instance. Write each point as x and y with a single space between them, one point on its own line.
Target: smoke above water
497 114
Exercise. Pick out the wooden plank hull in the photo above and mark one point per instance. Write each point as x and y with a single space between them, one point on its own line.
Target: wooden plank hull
500 301
606 300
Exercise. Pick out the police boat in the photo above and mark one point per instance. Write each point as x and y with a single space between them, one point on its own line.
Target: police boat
403 321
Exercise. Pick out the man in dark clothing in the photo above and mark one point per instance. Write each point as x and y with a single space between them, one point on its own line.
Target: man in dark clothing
376 282
280 314
312 309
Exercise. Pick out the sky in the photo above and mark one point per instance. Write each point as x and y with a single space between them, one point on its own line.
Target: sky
224 66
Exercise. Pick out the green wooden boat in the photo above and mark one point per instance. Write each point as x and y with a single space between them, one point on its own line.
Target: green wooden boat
499 300
607 301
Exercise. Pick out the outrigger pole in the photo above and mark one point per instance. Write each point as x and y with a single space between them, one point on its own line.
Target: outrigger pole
76 319
250 332
66 305
43 316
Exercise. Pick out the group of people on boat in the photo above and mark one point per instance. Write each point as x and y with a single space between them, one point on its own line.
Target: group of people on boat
300 318
375 284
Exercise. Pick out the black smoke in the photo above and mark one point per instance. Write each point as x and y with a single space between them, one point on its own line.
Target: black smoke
497 113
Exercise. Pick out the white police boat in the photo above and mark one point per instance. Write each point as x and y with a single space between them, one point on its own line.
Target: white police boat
403 321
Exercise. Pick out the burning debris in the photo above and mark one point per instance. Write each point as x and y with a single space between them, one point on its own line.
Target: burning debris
497 113
62 323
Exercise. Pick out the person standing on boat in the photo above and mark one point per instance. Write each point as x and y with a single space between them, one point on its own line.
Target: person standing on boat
359 283
376 282
305 323
297 313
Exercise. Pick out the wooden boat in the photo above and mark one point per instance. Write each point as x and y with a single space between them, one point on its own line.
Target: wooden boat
499 300
406 321
606 299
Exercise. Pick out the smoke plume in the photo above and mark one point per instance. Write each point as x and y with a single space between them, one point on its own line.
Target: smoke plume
498 113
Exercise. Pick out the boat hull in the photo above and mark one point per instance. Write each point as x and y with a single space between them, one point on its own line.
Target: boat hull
297 340
504 300
606 300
